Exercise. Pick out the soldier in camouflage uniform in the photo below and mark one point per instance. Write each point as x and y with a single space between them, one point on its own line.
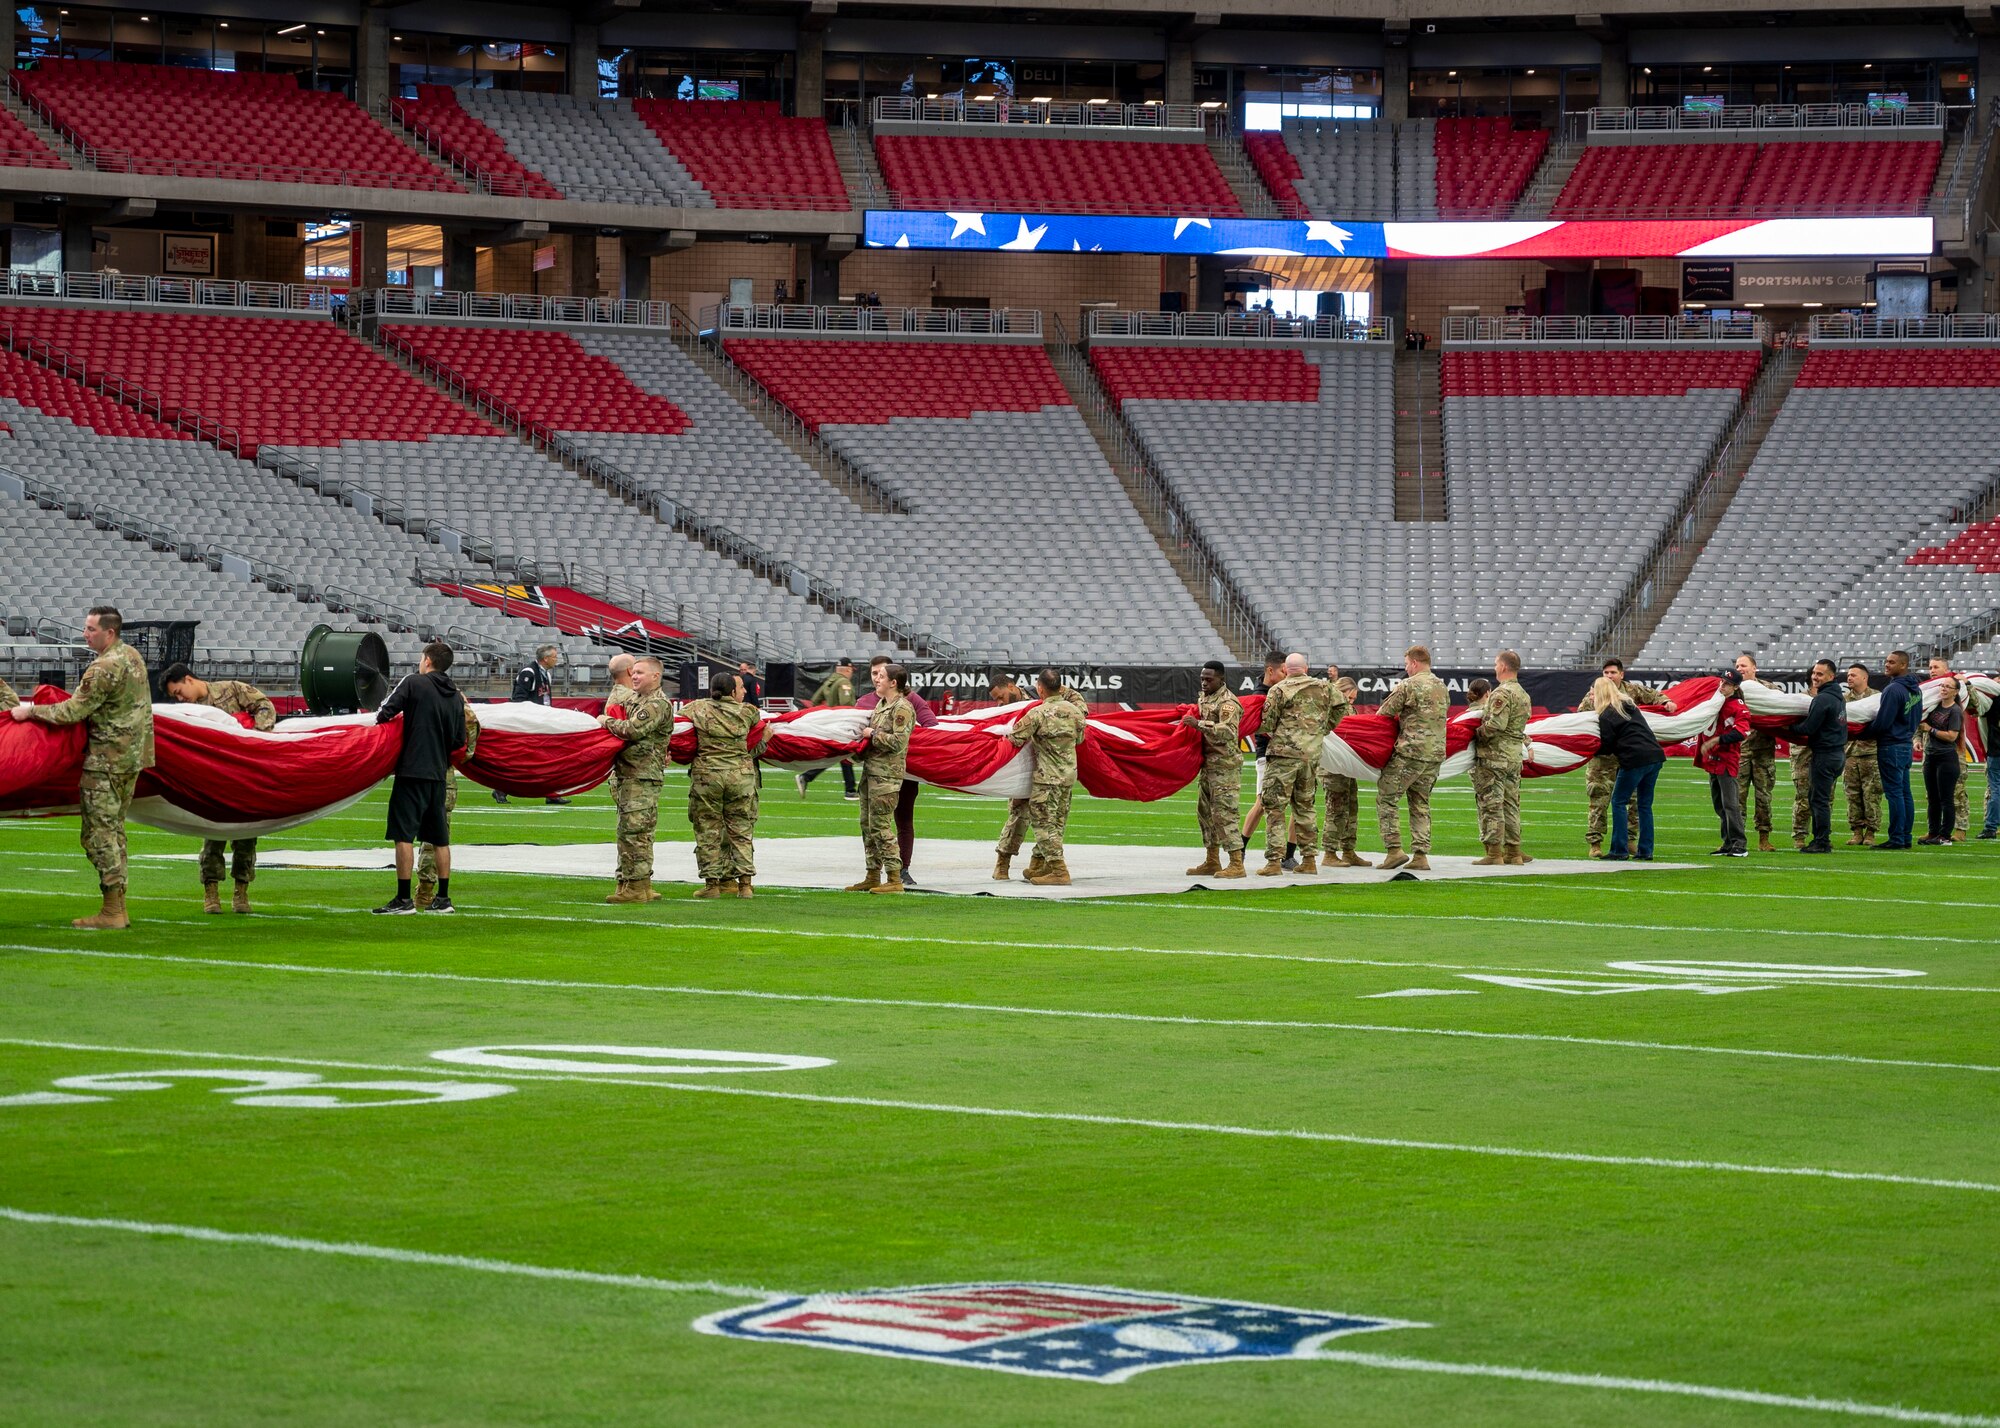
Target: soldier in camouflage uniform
1340 796
617 700
427 854
1055 727
1499 744
836 691
1602 771
1218 718
884 766
8 698
114 702
231 696
1760 764
1863 775
1018 823
1420 705
645 721
722 789
1295 715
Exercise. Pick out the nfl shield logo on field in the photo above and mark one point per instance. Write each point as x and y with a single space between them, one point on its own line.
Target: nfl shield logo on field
1049 1330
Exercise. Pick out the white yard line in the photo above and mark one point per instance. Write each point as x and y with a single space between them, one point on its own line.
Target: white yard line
1508 1152
1392 1362
985 1008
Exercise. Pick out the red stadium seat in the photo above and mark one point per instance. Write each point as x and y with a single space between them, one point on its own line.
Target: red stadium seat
547 377
1206 374
1036 175
865 382
1741 179
750 154
1620 372
468 142
1483 164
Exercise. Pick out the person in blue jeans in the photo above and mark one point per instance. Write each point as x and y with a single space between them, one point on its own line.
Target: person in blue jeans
1622 731
1892 728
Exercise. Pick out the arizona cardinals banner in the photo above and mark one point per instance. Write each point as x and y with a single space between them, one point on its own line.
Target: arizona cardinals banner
216 778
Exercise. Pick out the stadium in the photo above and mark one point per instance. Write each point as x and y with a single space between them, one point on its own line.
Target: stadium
1489 488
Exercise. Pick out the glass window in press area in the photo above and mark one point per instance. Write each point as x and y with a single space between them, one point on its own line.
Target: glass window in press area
1272 94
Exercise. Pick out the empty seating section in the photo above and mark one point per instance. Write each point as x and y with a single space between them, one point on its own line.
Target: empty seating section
867 381
469 143
1870 458
1483 164
1558 483
1212 374
750 154
149 118
1037 175
1613 373
1741 179
22 148
1277 166
295 382
592 149
1366 168
544 375
1010 525
33 385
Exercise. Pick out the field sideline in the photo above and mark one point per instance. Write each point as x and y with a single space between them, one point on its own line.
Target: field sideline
1595 1194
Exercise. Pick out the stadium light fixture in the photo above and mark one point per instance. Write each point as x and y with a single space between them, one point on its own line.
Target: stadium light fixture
293 29
1211 103
1708 69
1451 74
1753 304
1100 101
1812 304
1039 99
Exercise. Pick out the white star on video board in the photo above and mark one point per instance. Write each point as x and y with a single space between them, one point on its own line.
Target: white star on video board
1181 225
1320 231
1026 240
962 223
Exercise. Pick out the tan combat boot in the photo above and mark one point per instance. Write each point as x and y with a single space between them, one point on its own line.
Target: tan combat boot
211 897
712 888
1209 866
1397 857
1419 863
868 883
1235 868
1309 865
1352 859
240 901
109 918
1855 840
1272 867
725 887
891 884
627 892
743 888
1764 843
1037 865
1493 859
1596 850
1054 874
647 892
1515 857
1001 862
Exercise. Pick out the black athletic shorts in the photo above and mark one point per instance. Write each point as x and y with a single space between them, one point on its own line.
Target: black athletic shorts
416 812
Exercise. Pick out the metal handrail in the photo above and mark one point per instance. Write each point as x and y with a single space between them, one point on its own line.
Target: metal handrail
877 321
1956 326
526 308
1005 110
127 393
1464 329
1767 116
1207 326
135 289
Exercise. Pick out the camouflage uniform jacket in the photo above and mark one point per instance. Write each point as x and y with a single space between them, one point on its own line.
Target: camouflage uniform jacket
233 696
1221 716
471 731
835 691
1760 743
8 698
888 755
1338 706
1859 748
1501 738
116 699
647 728
622 696
1420 704
721 728
1055 727
1295 717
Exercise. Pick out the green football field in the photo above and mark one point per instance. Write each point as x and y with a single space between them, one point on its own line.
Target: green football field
1753 1179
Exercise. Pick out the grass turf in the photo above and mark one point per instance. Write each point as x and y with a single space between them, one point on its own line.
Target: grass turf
1142 1037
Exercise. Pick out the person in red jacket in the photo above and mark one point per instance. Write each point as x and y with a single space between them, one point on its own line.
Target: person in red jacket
1719 753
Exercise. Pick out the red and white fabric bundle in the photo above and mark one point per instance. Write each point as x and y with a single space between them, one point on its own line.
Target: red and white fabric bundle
214 777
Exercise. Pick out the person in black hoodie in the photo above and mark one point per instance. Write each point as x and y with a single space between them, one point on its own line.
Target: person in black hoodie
433 715
1623 732
1824 732
1893 727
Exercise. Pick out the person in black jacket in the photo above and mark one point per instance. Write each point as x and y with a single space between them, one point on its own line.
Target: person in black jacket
433 715
534 685
1622 731
1990 728
1893 727
1824 732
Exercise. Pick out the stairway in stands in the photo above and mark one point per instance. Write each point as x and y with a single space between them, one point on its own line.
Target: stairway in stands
854 151
1559 161
1242 176
1420 476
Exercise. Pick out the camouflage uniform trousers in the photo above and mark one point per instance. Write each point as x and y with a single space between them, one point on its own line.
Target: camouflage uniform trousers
1288 808
1863 777
427 856
638 822
723 812
1598 777
1496 792
878 823
1802 760
242 859
1412 778
1048 815
1962 829
104 799
1760 771
1014 829
1218 809
1341 799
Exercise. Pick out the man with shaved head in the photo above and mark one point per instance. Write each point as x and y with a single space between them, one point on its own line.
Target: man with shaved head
1296 710
620 698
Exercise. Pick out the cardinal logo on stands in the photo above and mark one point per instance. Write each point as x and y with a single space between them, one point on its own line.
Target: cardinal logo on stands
1074 1331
